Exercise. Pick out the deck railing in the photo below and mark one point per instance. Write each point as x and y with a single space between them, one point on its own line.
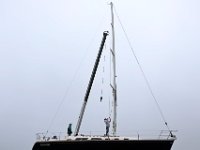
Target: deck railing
163 134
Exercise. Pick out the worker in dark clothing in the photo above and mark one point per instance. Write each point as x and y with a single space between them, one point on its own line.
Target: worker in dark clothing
69 129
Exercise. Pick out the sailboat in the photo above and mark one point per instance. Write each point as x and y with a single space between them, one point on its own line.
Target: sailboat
90 142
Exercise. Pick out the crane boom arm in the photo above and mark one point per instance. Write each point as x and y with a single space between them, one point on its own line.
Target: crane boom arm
105 33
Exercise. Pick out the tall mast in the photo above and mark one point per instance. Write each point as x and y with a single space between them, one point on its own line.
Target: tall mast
114 85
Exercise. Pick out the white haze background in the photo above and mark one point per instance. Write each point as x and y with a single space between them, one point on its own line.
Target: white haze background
47 52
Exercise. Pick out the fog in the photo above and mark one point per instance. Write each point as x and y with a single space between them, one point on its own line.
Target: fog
47 52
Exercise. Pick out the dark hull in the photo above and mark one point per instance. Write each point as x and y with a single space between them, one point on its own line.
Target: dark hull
105 144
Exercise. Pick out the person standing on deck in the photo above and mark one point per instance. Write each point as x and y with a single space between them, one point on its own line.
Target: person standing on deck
107 122
69 129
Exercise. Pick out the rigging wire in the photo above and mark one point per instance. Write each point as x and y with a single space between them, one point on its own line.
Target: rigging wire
144 75
102 82
103 76
74 77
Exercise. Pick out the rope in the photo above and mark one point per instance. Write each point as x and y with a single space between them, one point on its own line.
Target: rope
141 69
109 110
102 79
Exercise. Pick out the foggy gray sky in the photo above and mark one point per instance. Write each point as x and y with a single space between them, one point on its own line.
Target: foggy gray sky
47 52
